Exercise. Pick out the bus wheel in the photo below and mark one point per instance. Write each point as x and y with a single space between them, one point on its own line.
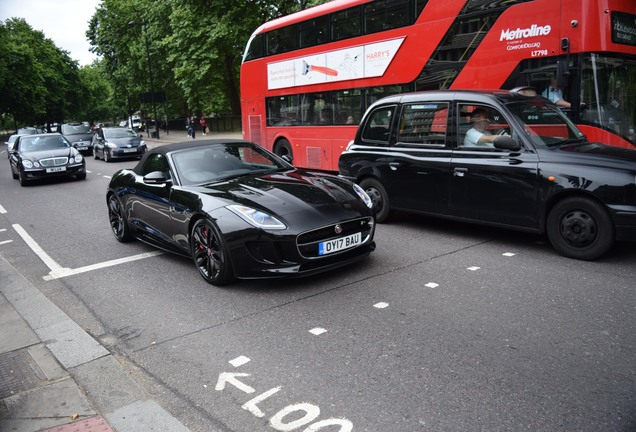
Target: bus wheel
380 198
283 148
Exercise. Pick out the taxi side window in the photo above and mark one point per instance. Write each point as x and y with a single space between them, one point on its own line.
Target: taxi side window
478 125
378 125
424 124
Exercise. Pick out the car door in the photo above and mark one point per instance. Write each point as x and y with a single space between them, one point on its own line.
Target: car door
490 184
149 206
418 166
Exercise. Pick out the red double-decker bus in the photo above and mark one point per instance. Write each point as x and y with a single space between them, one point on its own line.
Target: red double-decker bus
307 78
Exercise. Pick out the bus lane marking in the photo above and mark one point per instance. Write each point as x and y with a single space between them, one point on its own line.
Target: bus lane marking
57 271
301 414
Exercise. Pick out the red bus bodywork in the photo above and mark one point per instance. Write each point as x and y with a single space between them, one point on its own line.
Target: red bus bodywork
524 40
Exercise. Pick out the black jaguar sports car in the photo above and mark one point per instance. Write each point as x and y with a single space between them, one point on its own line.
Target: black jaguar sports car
240 211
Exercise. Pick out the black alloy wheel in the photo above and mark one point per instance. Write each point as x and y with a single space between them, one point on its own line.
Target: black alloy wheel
118 221
380 198
210 254
580 228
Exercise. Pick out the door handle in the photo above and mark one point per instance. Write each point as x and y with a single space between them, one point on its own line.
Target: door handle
460 172
394 165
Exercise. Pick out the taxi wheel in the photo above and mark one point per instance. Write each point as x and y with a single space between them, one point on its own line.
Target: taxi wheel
580 228
210 254
380 198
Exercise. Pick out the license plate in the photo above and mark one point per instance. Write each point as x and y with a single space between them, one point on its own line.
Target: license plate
55 169
82 148
342 243
130 150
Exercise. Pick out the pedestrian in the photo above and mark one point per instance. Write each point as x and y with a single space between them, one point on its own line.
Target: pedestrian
192 131
204 126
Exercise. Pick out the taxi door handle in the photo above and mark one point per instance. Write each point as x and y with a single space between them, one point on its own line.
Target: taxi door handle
460 172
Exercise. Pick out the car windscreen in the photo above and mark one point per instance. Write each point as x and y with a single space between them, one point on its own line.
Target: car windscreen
209 164
28 144
75 129
119 133
545 123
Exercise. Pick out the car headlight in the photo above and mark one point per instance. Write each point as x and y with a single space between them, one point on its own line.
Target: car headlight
27 164
142 144
78 158
257 218
111 145
363 195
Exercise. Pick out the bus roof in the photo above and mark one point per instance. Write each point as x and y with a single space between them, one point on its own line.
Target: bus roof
305 14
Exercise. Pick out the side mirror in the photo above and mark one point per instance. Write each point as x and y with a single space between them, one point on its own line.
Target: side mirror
156 177
287 159
507 143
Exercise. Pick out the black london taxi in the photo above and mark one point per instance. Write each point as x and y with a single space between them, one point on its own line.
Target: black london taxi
504 158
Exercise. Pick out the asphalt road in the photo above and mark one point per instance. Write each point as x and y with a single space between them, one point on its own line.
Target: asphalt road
447 327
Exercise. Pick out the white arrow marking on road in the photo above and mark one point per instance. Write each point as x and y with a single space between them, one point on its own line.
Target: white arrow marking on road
230 378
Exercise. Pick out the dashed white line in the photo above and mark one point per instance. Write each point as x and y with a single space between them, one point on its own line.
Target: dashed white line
5 242
431 285
381 305
239 361
509 254
317 331
2 210
473 268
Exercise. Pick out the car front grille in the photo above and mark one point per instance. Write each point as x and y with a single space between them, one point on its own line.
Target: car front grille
51 162
308 242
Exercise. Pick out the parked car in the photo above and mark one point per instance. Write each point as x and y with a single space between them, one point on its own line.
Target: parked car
240 211
80 135
45 156
116 142
412 152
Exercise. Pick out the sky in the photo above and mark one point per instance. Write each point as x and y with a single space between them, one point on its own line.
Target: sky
63 21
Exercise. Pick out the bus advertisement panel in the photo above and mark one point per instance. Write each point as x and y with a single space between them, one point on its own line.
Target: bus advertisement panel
307 78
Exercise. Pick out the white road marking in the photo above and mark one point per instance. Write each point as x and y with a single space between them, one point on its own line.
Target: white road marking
2 210
239 361
3 230
107 177
509 254
57 271
474 268
48 261
431 285
70 272
5 242
381 305
317 331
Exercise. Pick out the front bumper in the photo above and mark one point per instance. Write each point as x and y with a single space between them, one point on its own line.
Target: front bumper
42 173
120 153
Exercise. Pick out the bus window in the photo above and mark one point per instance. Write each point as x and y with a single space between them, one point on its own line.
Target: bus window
314 32
346 24
347 106
385 15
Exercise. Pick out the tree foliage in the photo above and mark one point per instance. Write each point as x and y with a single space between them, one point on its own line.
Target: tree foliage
192 47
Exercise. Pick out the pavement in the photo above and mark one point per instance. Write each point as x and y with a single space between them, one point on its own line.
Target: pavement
54 376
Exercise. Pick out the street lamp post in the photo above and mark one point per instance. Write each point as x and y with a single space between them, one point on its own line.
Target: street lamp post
150 78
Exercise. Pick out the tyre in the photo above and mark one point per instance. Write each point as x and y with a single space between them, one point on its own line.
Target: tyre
23 179
283 148
117 219
210 254
380 198
580 228
14 175
81 176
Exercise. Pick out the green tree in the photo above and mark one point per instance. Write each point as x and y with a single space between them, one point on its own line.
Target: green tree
42 82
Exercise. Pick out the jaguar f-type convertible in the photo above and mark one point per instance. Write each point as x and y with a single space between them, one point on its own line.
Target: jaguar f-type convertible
240 211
